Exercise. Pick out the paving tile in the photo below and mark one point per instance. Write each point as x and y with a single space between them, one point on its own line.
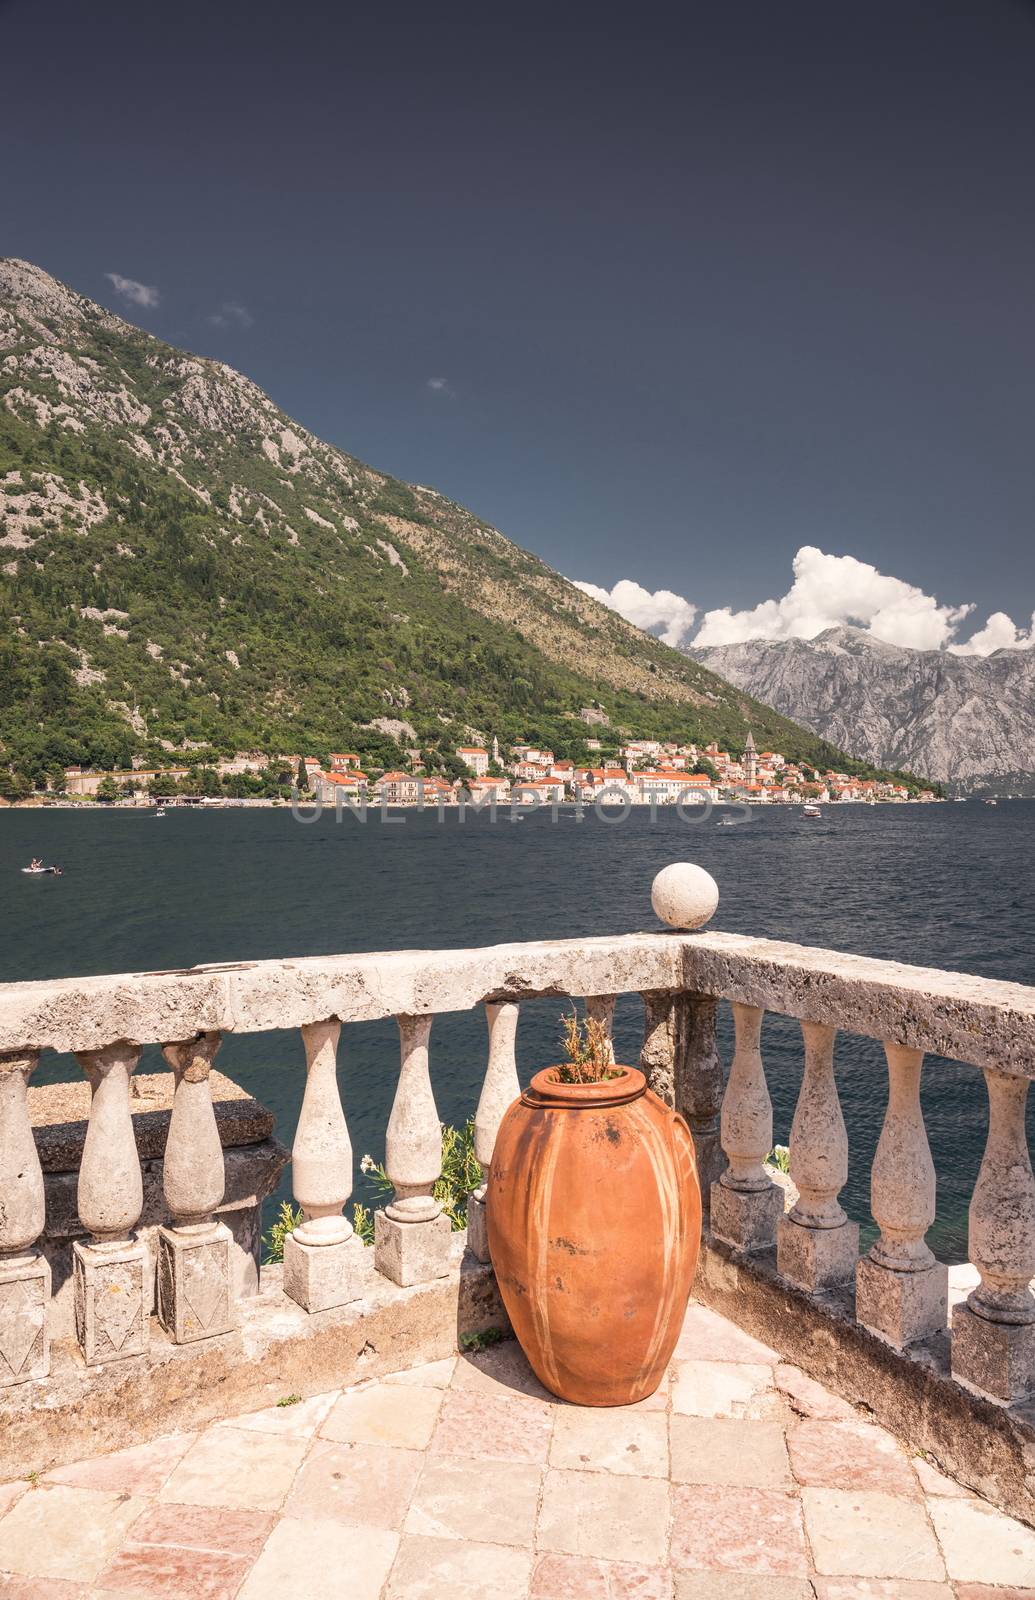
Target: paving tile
10 1492
432 1375
740 1586
934 1482
140 1470
299 1421
434 1569
724 1450
708 1337
57 1531
169 1572
615 1439
981 1545
600 1514
860 1533
234 1467
322 1560
718 1388
215 1528
15 1588
809 1398
483 1425
502 1367
849 1455
384 1414
368 1485
581 1578
884 1589
975 1591
494 1502
737 1530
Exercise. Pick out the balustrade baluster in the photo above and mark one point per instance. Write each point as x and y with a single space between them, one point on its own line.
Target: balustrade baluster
324 1262
24 1273
411 1235
746 1203
901 1290
195 1285
993 1333
113 1284
500 1088
816 1245
680 1060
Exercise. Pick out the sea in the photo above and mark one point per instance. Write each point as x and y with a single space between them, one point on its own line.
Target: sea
943 885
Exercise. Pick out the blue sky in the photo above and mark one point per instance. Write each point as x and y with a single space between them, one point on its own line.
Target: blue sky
667 294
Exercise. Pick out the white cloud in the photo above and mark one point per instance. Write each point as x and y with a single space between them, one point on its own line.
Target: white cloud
831 590
231 315
138 294
999 633
664 613
439 385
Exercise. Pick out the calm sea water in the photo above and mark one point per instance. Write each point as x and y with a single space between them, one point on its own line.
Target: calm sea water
946 885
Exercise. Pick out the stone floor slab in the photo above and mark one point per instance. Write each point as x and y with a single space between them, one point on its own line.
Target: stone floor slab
718 1388
57 1531
15 1588
860 1533
479 1425
850 1455
499 1369
932 1481
436 1569
809 1398
707 1336
169 1572
613 1439
882 1589
216 1528
234 1467
981 1545
322 1560
716 1529
141 1470
976 1591
296 1419
603 1515
10 1492
740 1586
581 1578
492 1503
724 1450
432 1375
368 1485
384 1413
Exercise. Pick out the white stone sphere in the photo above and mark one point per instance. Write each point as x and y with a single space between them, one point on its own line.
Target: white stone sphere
684 896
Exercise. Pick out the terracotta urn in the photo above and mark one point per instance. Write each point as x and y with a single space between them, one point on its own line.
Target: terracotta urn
594 1218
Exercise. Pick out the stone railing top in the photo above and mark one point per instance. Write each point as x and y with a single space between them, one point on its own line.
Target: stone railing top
977 1020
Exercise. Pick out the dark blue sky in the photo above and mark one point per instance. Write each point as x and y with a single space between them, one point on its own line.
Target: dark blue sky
705 283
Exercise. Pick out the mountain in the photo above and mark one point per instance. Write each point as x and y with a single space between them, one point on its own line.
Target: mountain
185 568
967 722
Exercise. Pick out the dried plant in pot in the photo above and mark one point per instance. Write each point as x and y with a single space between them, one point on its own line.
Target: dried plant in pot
594 1216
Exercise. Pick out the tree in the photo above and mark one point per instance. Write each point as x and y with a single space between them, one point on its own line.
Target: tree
107 790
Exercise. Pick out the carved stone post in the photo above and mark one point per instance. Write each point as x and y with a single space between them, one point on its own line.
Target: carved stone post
746 1203
324 1261
680 1060
411 1235
993 1333
195 1290
901 1290
24 1274
500 1088
112 1276
816 1245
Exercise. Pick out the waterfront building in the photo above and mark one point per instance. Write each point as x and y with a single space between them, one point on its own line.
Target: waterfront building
475 758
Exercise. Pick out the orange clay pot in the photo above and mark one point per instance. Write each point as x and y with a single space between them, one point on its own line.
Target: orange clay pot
594 1214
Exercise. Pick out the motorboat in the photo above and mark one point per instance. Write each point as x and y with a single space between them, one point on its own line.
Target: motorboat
809 809
160 812
36 869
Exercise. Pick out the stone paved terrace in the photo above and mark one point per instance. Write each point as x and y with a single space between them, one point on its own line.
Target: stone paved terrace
463 1480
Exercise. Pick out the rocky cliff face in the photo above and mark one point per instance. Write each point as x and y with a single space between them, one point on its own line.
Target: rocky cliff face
965 721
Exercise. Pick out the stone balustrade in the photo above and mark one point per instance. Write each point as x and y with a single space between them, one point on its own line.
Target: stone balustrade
682 974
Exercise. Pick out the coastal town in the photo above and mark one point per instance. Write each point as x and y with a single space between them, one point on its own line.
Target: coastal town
642 772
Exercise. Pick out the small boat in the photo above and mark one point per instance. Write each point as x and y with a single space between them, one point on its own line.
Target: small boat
727 822
160 812
37 869
810 810
991 802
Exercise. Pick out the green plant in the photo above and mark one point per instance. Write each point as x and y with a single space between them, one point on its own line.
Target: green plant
780 1158
288 1219
290 1400
588 1048
474 1343
461 1173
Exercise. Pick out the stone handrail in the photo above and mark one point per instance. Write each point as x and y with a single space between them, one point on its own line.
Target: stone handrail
681 975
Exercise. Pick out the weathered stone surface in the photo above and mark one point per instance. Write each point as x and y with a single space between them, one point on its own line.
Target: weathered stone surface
411 1252
319 1276
815 1258
478 1229
277 1350
24 1318
746 1220
997 1358
902 1307
195 1282
112 1300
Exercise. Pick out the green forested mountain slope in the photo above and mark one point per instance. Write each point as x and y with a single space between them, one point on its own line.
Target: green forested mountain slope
182 566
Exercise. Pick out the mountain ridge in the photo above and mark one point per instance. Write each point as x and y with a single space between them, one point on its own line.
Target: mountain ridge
184 566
